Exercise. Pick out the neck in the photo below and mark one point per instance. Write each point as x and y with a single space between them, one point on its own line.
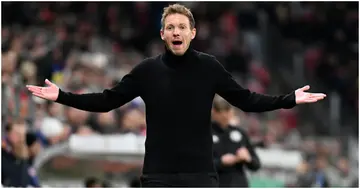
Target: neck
172 58
222 124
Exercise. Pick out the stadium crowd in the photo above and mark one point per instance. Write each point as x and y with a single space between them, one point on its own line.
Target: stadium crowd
86 47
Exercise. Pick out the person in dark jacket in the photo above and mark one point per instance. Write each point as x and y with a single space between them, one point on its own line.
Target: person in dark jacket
15 157
233 151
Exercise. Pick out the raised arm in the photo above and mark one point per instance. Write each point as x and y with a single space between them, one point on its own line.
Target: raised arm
126 90
249 101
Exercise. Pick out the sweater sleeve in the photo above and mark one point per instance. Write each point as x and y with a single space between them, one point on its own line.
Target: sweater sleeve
126 90
243 98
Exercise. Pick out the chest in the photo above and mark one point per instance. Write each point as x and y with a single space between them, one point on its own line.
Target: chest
184 83
228 141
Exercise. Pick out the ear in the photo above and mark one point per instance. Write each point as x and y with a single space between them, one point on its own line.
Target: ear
162 34
193 33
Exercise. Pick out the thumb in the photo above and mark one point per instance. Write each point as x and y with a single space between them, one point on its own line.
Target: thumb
307 87
48 82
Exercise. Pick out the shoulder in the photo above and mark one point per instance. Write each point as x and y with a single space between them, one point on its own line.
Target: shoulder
144 66
148 62
205 56
210 60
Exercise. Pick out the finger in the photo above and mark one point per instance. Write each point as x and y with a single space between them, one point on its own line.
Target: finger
32 87
305 88
48 82
41 89
39 95
317 97
311 100
35 89
317 94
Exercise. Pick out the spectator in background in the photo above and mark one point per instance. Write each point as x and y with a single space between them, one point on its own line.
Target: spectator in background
49 127
133 121
320 176
344 178
233 150
15 154
77 119
104 123
304 177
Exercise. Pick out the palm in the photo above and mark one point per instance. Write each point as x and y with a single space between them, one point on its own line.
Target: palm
49 93
306 97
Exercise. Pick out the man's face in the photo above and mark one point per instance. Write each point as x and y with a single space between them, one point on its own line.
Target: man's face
17 133
222 116
177 33
321 163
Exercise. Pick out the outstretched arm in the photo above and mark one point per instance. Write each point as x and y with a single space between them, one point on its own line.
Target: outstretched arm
126 90
249 101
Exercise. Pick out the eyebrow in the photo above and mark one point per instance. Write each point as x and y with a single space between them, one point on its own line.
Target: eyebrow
181 24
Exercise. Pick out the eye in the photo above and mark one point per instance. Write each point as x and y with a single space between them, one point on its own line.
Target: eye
182 27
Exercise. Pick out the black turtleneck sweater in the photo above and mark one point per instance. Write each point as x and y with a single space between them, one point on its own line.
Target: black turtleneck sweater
178 92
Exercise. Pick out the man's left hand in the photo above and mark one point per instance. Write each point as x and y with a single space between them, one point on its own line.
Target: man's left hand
303 97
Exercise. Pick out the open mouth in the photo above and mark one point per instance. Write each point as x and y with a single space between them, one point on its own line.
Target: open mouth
177 42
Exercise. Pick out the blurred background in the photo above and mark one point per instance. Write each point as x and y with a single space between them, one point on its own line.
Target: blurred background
268 47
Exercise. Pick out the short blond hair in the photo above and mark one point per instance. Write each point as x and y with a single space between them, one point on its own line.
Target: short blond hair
177 9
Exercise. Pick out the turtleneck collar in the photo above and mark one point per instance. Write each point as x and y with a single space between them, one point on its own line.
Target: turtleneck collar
172 59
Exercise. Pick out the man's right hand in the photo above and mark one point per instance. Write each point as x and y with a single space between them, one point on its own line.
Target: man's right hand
49 93
228 159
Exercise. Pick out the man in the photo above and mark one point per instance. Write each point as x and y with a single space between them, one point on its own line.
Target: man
344 176
178 88
14 157
320 174
232 148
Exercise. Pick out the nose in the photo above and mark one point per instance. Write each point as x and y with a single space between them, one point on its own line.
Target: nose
176 32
